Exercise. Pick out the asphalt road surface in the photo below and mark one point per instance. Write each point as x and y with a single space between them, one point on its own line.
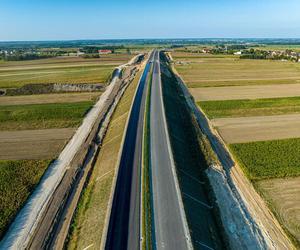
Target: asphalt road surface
124 224
170 226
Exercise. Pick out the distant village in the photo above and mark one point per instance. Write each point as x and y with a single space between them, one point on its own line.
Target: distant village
251 53
20 54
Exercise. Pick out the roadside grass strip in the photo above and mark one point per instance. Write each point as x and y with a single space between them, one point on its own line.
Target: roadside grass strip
17 180
257 107
268 159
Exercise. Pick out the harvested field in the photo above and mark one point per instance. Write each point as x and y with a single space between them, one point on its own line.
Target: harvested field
255 107
268 159
42 116
258 128
246 92
18 179
51 98
59 70
283 197
90 217
33 144
48 98
201 70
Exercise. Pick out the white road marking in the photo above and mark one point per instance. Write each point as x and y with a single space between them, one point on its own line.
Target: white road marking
192 177
202 203
89 246
202 244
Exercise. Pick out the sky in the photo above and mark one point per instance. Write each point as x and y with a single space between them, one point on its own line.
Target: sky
22 20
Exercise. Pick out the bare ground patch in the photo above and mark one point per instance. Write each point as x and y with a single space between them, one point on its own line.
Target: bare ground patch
33 144
51 98
284 199
258 128
245 92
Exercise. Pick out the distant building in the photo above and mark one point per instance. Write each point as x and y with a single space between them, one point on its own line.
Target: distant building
238 53
80 53
205 50
104 51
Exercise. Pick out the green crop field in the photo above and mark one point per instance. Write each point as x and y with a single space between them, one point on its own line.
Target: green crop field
40 116
17 181
202 70
78 74
268 159
258 107
59 70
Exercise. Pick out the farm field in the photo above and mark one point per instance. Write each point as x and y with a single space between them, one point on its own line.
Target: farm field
258 128
245 92
18 179
90 218
255 107
284 199
201 70
42 116
51 98
33 144
59 70
268 159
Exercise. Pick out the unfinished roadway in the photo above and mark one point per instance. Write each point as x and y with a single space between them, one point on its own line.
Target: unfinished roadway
170 224
124 222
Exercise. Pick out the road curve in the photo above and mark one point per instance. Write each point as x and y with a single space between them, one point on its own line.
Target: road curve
170 225
124 224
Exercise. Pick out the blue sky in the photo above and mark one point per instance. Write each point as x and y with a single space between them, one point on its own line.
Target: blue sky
108 19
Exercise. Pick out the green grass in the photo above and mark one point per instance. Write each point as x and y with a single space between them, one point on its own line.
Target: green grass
17 181
146 191
79 74
40 116
268 159
258 107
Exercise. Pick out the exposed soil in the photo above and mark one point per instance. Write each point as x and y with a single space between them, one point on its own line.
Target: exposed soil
245 92
258 128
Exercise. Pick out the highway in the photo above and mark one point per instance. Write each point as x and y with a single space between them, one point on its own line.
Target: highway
124 225
170 225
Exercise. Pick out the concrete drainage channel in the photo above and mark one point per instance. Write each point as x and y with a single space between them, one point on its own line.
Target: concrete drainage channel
49 210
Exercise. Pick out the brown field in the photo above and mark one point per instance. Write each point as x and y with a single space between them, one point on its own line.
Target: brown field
246 92
112 59
33 144
51 98
201 70
284 199
258 128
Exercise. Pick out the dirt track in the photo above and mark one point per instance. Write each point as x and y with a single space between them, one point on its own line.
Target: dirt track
33 144
245 92
258 128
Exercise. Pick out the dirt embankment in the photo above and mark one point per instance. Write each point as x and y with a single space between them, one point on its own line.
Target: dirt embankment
247 221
